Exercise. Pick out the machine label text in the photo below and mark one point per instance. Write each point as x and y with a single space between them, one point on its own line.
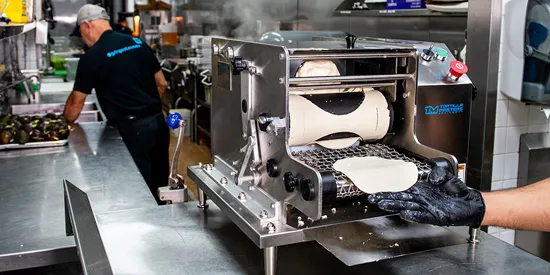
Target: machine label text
444 109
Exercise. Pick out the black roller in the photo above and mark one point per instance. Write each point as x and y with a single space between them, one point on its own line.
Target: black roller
328 182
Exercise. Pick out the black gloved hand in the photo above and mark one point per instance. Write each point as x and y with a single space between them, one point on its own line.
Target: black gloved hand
442 200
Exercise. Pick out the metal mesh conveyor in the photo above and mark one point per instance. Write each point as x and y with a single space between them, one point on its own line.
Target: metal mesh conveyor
322 160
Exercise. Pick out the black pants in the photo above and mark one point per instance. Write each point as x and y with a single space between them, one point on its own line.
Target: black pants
148 139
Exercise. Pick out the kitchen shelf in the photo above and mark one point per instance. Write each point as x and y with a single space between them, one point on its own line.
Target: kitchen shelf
396 13
9 30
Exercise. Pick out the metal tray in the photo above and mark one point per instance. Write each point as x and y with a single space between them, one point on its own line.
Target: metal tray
40 144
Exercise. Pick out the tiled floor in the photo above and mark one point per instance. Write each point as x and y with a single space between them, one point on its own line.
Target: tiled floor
190 155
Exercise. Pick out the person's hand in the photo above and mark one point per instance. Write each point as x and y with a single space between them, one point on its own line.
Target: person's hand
442 200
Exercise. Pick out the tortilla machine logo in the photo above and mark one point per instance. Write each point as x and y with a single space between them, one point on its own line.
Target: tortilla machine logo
444 109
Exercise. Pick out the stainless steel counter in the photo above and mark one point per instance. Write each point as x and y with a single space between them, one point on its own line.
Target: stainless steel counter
182 239
32 221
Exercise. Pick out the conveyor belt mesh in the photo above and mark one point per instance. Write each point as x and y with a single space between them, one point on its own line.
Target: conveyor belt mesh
323 159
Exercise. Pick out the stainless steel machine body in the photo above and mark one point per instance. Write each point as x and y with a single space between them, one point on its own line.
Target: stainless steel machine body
277 193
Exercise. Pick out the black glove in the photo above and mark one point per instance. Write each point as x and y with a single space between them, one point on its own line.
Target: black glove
442 200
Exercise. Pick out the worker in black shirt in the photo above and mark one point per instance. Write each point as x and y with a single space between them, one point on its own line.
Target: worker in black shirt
129 85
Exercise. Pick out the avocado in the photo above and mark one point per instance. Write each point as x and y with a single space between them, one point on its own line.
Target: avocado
6 119
25 119
53 135
28 128
64 133
36 118
36 135
2 126
51 116
22 137
54 126
5 137
14 118
17 124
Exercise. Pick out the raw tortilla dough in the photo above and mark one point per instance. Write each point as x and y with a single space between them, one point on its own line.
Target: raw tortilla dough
338 143
309 123
374 174
319 68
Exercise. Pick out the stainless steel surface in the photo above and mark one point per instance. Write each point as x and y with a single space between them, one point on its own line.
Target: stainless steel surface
534 160
319 55
299 80
96 160
181 239
86 233
34 145
323 161
311 89
47 108
270 260
484 25
381 238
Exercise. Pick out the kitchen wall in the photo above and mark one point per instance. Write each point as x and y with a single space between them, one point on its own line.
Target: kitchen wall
512 119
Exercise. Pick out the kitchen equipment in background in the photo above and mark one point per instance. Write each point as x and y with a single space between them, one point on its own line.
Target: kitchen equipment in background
169 34
525 63
18 11
70 65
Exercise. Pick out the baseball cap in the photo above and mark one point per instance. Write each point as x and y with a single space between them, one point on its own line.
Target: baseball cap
86 13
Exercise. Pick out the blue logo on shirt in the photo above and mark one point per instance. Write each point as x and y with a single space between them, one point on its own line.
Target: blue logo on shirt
444 109
125 49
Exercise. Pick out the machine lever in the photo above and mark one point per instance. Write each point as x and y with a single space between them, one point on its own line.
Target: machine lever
251 150
176 191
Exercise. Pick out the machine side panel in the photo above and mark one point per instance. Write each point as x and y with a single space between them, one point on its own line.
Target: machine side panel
443 117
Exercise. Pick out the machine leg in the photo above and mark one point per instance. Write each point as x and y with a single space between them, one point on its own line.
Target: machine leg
202 199
270 260
474 235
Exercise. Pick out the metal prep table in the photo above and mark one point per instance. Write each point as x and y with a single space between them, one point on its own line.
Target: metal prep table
182 239
31 189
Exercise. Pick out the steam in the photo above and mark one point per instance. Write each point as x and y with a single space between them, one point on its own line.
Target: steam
250 18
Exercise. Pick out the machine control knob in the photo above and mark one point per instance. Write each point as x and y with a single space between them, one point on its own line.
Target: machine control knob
290 182
173 120
457 70
427 54
307 189
350 41
272 168
239 64
441 54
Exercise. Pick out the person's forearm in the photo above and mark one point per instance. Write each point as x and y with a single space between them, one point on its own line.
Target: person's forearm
161 89
522 208
72 109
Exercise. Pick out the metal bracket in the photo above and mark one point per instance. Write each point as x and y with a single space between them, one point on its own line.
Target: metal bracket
251 149
173 195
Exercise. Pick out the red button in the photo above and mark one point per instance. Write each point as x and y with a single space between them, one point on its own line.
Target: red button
458 68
